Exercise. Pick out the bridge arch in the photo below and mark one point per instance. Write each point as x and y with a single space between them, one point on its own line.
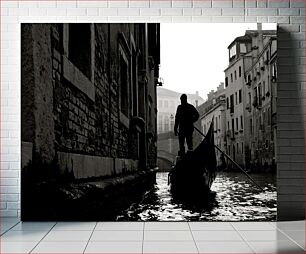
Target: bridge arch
165 160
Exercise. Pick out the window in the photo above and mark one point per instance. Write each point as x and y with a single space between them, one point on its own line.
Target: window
231 77
264 88
269 116
255 102
160 123
80 47
249 78
227 103
124 86
240 96
242 147
250 98
236 99
239 71
135 84
232 104
232 51
251 126
243 48
233 127
259 95
237 145
235 75
267 56
226 82
241 122
237 127
228 127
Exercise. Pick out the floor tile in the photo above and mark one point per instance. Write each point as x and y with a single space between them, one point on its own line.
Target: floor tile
17 247
120 226
296 235
253 225
69 236
272 235
169 247
216 236
101 236
60 247
276 247
291 225
221 226
22 236
63 226
114 247
223 247
33 226
167 236
166 226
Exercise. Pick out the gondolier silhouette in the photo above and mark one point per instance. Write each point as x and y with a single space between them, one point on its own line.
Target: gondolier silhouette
186 116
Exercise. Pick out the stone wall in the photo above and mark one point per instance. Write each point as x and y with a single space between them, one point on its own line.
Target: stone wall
77 113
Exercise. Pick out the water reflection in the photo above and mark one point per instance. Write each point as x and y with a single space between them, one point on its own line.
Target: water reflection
236 199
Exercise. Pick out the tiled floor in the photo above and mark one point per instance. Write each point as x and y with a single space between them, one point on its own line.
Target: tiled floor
152 237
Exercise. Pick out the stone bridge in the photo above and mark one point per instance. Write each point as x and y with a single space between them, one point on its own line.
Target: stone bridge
167 148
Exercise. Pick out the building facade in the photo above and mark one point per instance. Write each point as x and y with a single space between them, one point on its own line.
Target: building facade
235 99
168 101
260 114
89 97
213 109
250 81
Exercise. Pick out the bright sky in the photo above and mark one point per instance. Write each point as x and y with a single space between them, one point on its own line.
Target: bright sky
194 55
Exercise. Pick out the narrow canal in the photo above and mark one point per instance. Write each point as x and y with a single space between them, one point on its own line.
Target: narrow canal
236 200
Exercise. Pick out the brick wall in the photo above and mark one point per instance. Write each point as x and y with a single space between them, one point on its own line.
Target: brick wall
290 14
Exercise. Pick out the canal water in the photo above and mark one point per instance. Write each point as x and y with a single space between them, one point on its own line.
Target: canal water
236 199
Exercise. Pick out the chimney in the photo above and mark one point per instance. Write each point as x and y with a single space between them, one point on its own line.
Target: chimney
259 26
260 37
197 93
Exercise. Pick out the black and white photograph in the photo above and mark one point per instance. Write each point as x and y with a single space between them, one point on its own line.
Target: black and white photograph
148 121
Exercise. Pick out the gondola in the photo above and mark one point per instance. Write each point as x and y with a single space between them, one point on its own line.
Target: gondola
193 174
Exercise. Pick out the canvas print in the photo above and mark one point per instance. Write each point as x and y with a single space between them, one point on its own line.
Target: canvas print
148 122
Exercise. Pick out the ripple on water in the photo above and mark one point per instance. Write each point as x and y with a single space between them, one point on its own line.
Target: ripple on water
236 200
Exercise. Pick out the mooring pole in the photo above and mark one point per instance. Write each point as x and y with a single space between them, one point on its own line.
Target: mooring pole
234 162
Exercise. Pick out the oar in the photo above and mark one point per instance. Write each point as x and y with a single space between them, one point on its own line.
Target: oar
234 162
